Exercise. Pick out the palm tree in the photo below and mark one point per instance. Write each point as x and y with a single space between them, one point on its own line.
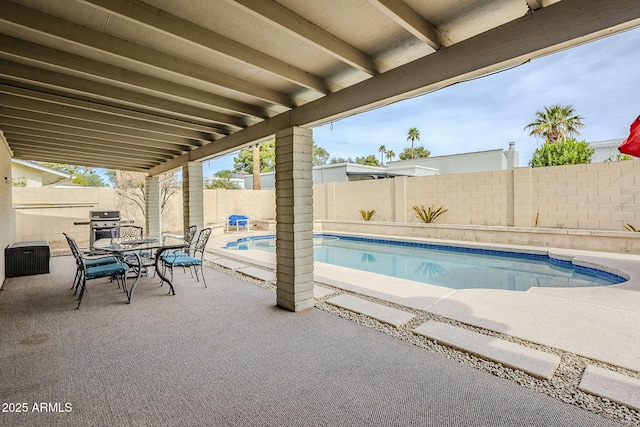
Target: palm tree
382 150
555 122
390 155
413 135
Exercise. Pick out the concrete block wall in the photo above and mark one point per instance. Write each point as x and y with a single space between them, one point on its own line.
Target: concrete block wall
44 213
602 196
366 195
481 198
294 216
599 196
256 204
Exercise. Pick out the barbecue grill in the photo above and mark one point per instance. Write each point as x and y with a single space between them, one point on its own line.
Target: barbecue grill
101 224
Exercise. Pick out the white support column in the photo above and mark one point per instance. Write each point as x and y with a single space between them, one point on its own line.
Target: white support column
294 219
152 207
193 195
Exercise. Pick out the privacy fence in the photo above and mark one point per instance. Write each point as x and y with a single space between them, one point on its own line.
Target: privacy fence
600 197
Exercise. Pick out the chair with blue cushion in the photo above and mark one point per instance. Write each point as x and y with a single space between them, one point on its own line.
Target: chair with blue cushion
188 243
116 269
89 259
193 259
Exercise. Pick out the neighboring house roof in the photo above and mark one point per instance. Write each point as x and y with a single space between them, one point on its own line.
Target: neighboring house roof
49 175
604 150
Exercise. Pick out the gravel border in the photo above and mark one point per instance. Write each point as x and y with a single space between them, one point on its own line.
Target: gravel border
563 385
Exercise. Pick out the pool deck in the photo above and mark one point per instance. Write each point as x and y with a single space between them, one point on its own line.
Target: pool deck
599 323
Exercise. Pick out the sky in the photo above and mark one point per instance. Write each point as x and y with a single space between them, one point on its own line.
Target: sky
600 79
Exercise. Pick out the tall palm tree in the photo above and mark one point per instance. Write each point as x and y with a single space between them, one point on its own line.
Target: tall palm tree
555 122
382 150
390 155
413 135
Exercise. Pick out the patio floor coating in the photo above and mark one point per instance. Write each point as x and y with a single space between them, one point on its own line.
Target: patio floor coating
227 355
601 323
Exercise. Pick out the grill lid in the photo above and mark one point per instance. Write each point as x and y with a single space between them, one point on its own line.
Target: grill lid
104 215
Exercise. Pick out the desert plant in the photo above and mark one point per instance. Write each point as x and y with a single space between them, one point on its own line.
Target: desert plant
367 215
429 214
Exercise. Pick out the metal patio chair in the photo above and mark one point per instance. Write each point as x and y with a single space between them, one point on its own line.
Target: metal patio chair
115 269
193 260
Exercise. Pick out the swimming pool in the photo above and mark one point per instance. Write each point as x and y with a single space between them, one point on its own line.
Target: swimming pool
449 266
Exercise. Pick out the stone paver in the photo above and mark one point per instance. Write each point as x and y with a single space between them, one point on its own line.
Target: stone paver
611 385
534 362
320 292
258 273
379 312
229 263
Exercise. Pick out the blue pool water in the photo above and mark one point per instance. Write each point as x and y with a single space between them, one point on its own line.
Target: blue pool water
449 266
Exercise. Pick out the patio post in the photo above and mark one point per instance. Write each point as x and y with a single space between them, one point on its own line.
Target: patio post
152 206
294 219
192 195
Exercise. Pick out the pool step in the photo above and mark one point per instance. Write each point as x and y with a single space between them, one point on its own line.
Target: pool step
379 312
611 385
534 362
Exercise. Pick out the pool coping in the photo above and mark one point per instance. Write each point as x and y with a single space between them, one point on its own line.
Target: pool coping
600 323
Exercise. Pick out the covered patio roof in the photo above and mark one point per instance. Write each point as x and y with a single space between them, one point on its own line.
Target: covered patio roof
150 85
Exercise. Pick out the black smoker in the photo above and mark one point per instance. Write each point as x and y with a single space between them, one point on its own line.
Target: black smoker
102 222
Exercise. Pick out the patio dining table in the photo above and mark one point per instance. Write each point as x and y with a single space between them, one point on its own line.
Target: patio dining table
140 255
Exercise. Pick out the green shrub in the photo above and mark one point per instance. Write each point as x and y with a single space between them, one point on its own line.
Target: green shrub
566 151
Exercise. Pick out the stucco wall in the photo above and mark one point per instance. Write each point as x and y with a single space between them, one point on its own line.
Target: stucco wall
30 177
461 163
7 217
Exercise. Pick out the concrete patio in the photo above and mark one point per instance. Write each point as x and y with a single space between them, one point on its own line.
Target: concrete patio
600 324
227 355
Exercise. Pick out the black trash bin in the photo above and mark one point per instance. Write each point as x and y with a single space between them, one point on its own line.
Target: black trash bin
26 258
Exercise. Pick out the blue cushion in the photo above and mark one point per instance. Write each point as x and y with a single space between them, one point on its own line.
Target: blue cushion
233 219
93 262
184 261
106 270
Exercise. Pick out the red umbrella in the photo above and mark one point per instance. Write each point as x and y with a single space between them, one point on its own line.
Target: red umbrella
631 145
